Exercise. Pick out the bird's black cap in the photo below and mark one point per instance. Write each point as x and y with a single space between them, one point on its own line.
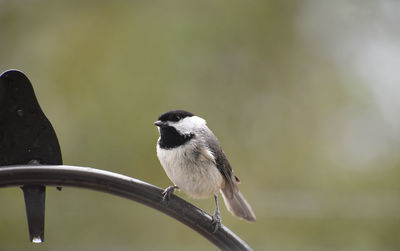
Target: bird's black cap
174 115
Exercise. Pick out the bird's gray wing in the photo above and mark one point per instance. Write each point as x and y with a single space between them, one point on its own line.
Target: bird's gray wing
221 161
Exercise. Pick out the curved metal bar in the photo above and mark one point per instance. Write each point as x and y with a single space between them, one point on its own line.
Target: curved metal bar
123 186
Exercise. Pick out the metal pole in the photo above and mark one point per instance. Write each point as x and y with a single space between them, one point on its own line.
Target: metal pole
123 186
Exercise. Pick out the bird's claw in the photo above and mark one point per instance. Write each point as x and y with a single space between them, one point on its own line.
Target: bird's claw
167 193
216 221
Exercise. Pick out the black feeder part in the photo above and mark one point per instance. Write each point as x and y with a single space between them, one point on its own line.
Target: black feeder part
26 138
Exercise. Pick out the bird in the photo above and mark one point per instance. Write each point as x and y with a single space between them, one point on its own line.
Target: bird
26 138
194 161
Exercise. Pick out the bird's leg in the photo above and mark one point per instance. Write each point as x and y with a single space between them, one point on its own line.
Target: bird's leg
216 218
168 191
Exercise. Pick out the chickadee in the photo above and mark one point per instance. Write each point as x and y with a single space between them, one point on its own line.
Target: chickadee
194 161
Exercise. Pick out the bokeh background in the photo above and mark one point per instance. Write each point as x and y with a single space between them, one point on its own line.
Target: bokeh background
303 95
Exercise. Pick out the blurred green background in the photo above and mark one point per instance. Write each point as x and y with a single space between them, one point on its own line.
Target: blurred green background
304 96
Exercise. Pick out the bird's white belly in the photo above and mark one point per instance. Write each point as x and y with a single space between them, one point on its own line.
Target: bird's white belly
198 178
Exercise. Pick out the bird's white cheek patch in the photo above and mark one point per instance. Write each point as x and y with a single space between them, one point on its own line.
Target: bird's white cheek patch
188 124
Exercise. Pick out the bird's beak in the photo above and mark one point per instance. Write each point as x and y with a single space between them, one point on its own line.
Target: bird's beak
160 123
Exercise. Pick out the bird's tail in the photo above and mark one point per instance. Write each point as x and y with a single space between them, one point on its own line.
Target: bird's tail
237 204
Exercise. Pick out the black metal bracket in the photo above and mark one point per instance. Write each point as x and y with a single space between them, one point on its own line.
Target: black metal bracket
26 137
127 187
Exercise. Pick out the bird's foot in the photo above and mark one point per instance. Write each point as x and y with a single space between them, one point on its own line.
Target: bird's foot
216 221
167 192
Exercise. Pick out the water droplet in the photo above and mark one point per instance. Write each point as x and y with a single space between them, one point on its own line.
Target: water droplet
37 239
20 112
